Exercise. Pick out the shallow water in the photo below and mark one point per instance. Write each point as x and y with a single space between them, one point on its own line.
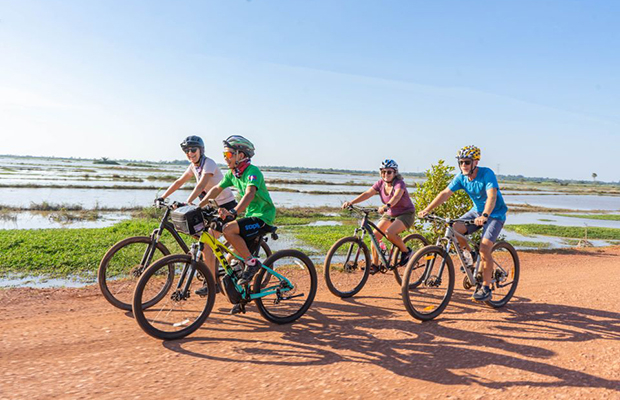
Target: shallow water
550 219
33 220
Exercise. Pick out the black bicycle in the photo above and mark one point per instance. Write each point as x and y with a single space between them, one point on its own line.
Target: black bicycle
125 261
348 262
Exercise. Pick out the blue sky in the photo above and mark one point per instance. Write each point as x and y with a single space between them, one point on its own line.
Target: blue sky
342 84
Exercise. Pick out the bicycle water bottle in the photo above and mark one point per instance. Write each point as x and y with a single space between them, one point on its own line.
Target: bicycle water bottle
382 246
236 266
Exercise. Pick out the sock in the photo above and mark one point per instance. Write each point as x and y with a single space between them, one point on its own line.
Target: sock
251 262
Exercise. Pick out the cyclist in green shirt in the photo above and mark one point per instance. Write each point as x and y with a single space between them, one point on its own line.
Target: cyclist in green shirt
259 210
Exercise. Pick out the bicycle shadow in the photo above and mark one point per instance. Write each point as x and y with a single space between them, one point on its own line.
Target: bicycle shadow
437 351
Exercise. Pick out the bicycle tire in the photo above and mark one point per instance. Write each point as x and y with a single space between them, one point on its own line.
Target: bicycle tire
301 273
509 261
418 292
347 272
122 294
266 249
415 242
172 312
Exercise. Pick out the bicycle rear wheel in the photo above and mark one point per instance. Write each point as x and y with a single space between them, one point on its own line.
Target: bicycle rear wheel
347 266
179 312
294 302
415 242
506 269
428 282
121 267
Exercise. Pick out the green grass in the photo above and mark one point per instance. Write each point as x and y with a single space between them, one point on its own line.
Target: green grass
63 252
320 237
607 217
566 231
306 215
536 245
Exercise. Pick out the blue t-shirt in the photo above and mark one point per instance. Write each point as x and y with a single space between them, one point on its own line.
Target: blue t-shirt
477 191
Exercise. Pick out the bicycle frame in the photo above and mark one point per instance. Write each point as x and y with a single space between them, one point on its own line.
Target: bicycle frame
450 238
366 226
156 235
220 252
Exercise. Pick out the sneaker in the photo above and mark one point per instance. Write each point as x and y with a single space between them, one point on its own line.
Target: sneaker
404 257
237 309
203 291
373 269
249 272
483 293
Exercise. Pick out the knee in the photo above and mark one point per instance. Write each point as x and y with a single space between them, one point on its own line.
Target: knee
391 232
228 231
485 251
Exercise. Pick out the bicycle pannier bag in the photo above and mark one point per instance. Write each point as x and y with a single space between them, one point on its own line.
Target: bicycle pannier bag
188 219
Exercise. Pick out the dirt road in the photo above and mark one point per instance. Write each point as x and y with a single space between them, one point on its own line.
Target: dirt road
558 338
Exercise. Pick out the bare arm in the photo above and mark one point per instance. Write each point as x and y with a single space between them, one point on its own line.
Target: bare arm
211 194
441 198
202 184
177 184
245 201
489 205
364 196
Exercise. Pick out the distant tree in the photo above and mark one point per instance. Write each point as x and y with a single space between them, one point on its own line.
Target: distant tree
594 175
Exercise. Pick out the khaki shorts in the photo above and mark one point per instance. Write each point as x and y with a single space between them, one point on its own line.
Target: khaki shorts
406 218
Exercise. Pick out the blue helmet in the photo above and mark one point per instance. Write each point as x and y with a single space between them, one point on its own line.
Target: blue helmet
387 163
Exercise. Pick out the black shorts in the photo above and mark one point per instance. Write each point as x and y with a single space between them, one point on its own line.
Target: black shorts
251 230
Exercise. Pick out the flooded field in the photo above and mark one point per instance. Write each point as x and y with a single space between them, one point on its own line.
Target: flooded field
106 189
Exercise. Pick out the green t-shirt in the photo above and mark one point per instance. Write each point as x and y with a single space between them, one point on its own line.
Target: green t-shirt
261 206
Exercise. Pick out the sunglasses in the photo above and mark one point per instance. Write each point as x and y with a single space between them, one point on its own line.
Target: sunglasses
191 150
228 154
386 172
465 162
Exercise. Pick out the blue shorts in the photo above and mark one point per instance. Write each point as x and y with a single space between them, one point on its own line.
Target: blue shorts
490 230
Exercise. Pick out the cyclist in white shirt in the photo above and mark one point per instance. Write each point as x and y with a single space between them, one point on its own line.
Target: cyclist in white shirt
205 171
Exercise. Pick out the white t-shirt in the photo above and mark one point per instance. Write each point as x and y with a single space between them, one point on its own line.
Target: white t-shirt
208 166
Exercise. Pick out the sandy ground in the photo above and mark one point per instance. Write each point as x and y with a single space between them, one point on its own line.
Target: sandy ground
558 338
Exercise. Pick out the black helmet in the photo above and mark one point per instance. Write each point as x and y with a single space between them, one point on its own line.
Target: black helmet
193 141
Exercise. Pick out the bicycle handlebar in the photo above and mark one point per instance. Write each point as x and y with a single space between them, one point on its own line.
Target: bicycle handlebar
449 221
361 210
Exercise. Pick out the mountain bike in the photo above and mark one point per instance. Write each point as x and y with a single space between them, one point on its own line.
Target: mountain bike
428 280
283 289
348 262
124 262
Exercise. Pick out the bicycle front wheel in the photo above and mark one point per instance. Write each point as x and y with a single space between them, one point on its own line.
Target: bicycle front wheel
428 282
415 242
506 269
121 267
286 303
347 266
179 312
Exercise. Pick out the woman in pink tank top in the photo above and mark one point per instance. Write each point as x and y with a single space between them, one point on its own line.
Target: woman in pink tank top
397 211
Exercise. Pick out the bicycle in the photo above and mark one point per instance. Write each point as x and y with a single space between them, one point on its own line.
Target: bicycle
126 260
428 280
283 289
347 263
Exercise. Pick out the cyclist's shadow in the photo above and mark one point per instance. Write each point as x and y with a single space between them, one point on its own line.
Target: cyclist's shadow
437 351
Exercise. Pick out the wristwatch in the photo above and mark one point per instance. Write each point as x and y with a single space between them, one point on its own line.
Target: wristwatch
485 215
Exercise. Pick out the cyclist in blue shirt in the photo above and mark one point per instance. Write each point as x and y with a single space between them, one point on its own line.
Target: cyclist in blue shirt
488 212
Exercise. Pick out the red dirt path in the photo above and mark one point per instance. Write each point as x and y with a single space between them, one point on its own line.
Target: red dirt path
558 338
